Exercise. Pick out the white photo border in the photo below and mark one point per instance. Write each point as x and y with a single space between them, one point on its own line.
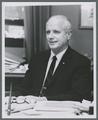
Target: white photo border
4 4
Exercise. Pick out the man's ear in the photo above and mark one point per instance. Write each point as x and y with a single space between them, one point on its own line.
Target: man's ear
69 34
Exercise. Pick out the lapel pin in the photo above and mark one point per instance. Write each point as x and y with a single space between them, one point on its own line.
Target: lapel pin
63 63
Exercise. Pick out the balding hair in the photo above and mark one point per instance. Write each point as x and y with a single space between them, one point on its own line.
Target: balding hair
67 24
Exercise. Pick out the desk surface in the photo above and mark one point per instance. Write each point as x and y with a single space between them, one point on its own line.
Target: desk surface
46 115
47 111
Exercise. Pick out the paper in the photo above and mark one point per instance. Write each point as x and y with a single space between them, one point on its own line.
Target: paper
33 107
12 66
56 106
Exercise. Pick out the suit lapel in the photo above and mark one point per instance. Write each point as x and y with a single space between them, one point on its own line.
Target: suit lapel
44 65
63 64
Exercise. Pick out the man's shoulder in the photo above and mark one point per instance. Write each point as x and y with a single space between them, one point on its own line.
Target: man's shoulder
43 53
41 56
78 56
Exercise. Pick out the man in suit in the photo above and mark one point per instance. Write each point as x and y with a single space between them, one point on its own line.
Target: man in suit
71 75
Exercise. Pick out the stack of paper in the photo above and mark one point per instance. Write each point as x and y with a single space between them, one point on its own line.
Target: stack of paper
12 66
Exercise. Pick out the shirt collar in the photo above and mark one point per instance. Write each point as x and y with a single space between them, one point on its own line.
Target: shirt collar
59 55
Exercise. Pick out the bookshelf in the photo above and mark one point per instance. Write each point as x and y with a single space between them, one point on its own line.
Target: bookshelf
14 26
14 45
14 33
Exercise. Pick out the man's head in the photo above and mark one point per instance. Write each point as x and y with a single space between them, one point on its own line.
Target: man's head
58 33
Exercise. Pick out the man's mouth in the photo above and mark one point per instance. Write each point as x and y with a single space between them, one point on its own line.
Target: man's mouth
52 42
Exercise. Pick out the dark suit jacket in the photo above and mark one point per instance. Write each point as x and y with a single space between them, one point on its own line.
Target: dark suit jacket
71 80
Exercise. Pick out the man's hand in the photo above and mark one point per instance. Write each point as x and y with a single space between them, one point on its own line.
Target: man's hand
28 99
33 99
21 103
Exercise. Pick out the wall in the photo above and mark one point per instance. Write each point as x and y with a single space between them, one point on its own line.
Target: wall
82 39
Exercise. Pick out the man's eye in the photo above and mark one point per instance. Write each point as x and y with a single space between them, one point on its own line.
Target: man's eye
55 31
47 32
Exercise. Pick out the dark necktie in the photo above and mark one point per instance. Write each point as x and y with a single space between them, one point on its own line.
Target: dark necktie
49 76
50 72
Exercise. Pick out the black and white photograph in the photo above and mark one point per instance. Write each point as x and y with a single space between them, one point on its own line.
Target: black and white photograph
48 60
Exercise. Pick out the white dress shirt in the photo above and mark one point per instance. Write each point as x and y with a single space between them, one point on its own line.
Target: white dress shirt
59 57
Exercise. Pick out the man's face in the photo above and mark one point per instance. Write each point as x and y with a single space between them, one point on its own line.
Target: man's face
56 35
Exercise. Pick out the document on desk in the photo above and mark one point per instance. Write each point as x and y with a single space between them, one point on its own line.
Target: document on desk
30 105
50 109
56 106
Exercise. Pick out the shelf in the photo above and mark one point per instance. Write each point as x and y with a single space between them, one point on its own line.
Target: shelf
17 75
19 22
14 42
